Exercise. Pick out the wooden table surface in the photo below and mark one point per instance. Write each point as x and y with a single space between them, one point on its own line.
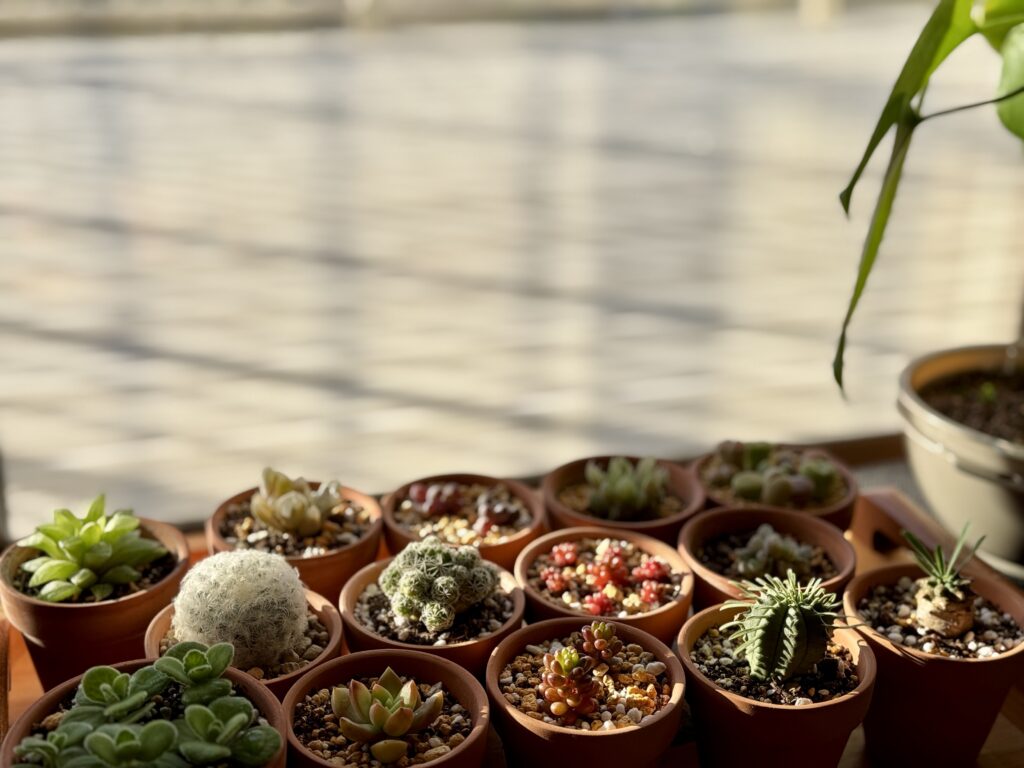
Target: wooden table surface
879 516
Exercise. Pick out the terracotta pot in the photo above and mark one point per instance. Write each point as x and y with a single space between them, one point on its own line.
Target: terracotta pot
471 654
663 623
65 639
328 614
955 700
839 513
424 668
323 574
503 554
733 730
682 483
260 697
536 743
712 588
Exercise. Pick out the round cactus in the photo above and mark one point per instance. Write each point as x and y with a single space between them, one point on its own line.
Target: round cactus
253 600
432 582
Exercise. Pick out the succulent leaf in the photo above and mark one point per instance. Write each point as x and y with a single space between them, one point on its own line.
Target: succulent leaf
624 491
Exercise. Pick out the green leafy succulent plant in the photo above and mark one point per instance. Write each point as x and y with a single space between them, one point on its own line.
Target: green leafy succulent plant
432 582
945 603
56 749
106 695
94 553
198 670
224 730
383 714
128 746
771 474
769 552
784 627
567 685
292 506
624 490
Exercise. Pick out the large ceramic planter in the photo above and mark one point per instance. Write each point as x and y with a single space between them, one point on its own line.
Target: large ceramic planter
733 730
712 588
504 553
956 701
682 483
324 574
536 743
471 654
65 639
663 623
325 610
423 668
966 475
258 695
839 513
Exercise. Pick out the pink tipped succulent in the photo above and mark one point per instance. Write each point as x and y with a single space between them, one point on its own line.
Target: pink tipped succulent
598 604
565 553
652 569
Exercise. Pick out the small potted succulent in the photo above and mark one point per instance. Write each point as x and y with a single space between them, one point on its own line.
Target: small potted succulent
387 708
649 496
772 665
433 597
619 575
499 517
779 476
255 601
724 545
605 693
936 630
327 531
83 589
187 709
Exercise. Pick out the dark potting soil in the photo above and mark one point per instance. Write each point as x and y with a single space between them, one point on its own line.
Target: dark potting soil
716 658
152 574
342 528
988 401
373 610
577 498
719 554
316 726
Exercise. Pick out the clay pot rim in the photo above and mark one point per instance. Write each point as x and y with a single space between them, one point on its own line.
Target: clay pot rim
328 614
175 545
687 544
348 596
565 626
368 502
239 678
648 544
867 665
479 709
852 487
682 472
520 490
914 571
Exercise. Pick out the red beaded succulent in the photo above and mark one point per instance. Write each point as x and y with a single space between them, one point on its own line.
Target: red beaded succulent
553 579
568 686
598 604
609 569
565 553
651 591
652 569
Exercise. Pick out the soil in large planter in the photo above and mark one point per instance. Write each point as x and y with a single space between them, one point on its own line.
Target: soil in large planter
604 577
987 401
475 514
316 727
761 551
631 685
891 610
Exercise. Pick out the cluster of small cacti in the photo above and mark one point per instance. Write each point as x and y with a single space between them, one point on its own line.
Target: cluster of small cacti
606 576
568 684
775 475
384 713
432 582
625 491
783 627
95 553
769 552
119 720
945 602
253 600
293 506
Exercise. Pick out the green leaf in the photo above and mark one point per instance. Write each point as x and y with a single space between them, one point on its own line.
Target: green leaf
148 679
42 542
74 548
35 563
172 668
101 591
950 24
55 532
93 681
96 556
219 657
256 746
96 508
121 574
201 753
157 737
180 650
83 578
121 523
230 706
876 230
199 719
91 533
58 591
67 521
55 570
103 746
996 18
1011 111
206 692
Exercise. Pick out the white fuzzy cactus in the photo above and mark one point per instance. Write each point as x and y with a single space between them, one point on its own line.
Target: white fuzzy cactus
253 600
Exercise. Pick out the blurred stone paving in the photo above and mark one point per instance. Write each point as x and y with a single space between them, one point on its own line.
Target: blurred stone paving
381 254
